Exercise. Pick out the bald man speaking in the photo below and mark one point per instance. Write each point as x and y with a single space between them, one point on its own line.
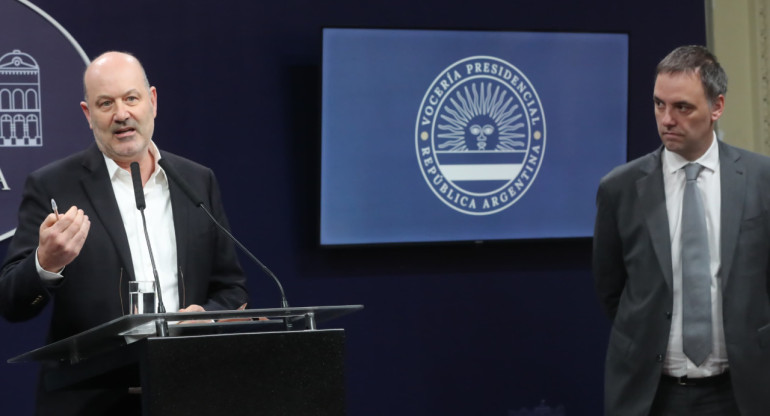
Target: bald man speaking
82 258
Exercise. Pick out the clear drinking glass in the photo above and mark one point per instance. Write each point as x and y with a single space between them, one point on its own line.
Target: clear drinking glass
142 297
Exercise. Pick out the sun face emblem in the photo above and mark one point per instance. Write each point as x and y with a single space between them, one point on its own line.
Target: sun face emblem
480 135
481 119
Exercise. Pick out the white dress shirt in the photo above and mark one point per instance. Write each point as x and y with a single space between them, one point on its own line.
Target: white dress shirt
677 364
160 226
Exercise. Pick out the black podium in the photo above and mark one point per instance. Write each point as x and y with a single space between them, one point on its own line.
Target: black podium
249 362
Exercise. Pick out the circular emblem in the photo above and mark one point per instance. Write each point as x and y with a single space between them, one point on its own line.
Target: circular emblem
480 135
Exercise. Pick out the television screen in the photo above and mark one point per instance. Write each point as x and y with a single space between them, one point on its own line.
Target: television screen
441 135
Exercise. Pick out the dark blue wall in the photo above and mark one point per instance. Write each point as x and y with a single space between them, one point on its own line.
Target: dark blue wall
467 329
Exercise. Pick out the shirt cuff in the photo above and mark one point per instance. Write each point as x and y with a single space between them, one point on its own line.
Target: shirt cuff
45 275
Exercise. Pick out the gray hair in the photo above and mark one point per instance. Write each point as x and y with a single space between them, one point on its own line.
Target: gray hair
696 59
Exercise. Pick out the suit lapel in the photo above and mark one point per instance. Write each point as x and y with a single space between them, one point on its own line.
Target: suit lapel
98 189
180 208
733 183
652 200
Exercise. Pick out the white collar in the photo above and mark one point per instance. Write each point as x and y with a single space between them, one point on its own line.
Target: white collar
672 162
113 169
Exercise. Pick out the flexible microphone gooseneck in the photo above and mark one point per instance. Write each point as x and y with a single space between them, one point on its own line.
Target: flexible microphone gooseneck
198 201
161 325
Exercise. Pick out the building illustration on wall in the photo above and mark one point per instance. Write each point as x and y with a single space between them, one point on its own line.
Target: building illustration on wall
20 107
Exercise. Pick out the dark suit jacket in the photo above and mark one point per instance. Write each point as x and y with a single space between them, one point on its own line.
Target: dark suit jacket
95 285
633 271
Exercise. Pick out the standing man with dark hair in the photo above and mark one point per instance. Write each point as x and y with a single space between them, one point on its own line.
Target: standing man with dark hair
681 260
83 258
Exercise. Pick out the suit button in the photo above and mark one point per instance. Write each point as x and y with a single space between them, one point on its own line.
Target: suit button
659 358
668 315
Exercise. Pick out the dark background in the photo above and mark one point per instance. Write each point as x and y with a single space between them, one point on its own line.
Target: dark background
447 329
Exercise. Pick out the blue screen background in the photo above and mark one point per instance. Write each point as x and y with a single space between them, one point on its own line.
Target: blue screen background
374 81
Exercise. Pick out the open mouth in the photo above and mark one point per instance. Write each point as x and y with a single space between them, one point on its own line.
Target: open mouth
124 132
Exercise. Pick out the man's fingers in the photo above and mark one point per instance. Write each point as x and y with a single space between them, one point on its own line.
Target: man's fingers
65 220
193 308
48 222
61 240
76 242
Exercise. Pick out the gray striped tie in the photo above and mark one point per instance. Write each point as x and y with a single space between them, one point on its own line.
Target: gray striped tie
696 272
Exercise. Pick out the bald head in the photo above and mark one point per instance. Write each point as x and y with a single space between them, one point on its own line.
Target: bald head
108 60
120 106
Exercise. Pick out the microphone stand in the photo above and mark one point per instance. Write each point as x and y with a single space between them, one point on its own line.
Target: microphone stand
198 202
161 324
284 303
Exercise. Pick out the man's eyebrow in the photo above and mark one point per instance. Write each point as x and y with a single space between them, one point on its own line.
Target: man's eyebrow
680 102
129 92
684 103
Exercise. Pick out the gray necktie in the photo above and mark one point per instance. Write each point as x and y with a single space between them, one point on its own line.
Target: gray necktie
696 272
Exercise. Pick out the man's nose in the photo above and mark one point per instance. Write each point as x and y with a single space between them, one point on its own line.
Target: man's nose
668 118
121 112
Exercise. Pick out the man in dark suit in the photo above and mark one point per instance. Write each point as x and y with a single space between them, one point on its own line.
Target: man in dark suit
84 257
643 257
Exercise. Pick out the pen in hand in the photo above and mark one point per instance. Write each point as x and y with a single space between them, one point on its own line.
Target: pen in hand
55 209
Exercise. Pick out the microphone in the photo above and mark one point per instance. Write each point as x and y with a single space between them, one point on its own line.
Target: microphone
198 201
161 325
136 178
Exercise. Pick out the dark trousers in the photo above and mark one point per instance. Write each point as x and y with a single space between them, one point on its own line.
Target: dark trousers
702 398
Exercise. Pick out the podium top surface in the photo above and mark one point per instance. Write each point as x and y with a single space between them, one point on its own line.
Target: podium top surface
112 334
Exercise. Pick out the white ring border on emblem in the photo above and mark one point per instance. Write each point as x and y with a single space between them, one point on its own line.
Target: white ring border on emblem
74 43
417 131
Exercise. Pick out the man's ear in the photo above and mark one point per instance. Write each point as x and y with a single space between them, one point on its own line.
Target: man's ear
154 101
717 107
86 112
